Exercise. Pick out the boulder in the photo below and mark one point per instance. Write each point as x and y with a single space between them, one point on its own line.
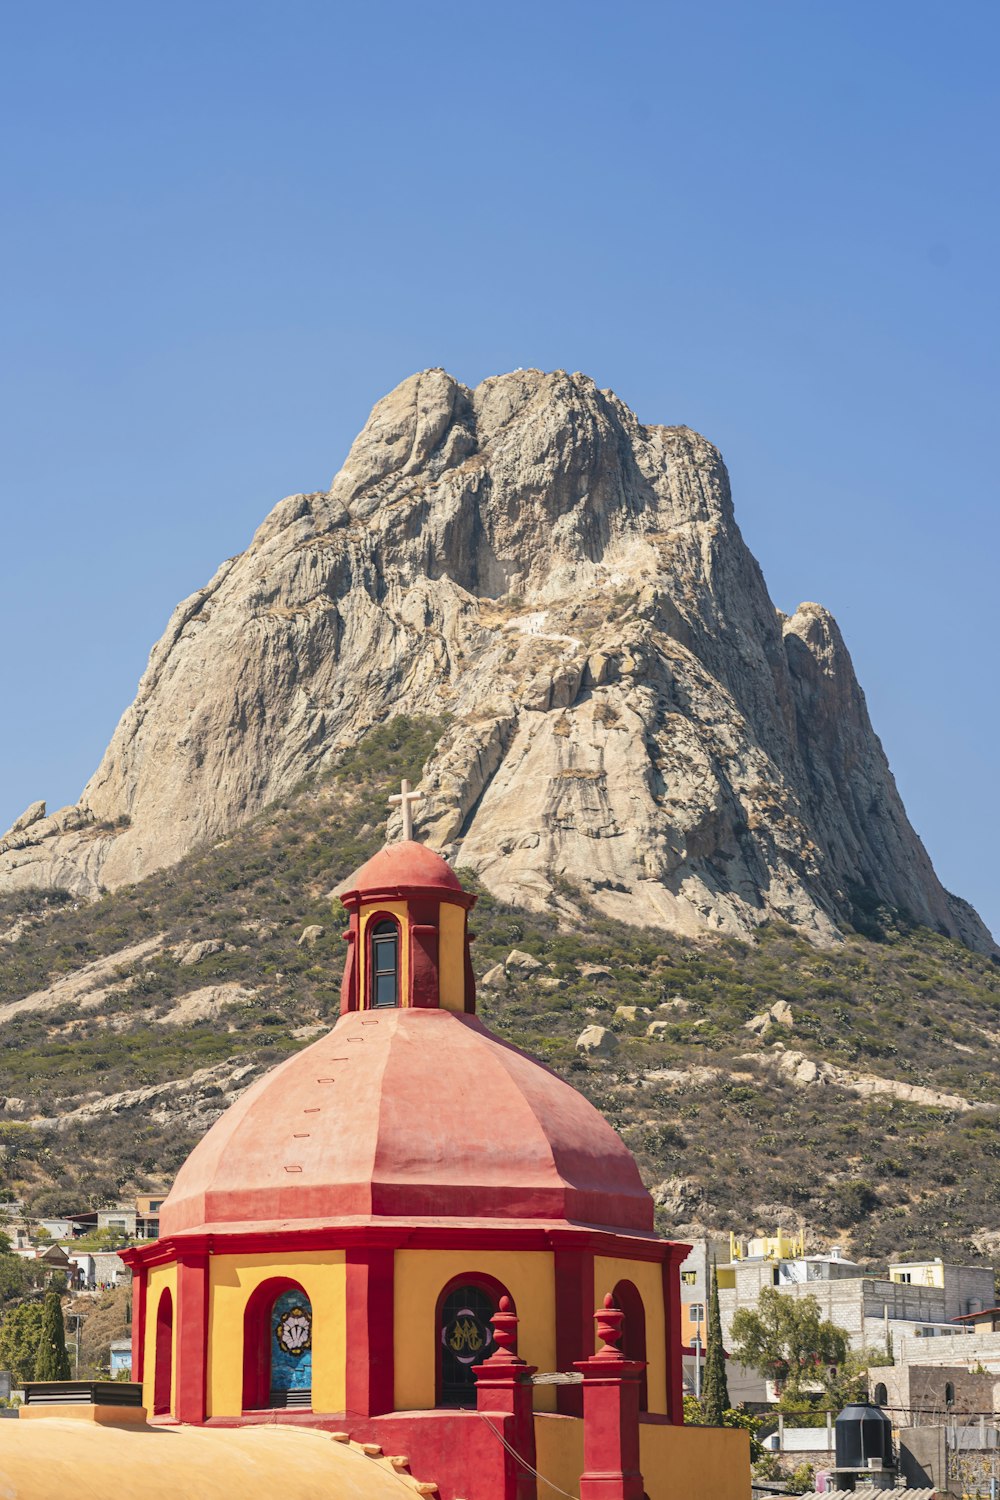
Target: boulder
633 1012
195 952
310 935
495 978
521 963
596 1041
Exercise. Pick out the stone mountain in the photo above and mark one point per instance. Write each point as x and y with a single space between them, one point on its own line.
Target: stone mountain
628 713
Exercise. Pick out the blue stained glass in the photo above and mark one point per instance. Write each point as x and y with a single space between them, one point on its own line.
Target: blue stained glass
291 1343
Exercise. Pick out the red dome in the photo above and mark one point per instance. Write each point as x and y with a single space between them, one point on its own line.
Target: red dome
402 866
413 1114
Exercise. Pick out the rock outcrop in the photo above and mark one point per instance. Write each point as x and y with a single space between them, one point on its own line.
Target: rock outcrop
627 711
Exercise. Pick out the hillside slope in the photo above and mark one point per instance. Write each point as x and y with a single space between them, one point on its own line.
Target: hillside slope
628 713
129 1023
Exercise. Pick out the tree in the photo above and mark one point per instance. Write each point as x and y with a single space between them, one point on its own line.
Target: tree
52 1361
20 1331
715 1388
785 1340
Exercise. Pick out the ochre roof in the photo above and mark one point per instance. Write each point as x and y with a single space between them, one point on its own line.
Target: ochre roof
400 866
408 1113
50 1458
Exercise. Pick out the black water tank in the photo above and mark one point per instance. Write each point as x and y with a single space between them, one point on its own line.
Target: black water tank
863 1431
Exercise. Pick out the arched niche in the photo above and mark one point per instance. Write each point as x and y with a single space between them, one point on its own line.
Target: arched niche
464 1334
880 1395
633 1345
277 1346
163 1354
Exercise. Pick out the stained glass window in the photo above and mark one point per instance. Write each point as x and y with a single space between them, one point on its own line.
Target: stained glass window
466 1340
291 1349
385 964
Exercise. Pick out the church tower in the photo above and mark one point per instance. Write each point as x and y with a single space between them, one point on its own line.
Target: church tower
335 1250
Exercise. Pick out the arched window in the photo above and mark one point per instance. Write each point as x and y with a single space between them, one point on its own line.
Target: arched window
633 1345
277 1347
383 949
949 1393
163 1354
881 1395
464 1335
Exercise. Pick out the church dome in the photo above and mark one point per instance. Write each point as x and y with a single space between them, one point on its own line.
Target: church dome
408 1114
403 866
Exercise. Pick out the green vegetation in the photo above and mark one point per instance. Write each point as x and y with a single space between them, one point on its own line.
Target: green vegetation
703 1102
715 1387
52 1361
20 1335
785 1340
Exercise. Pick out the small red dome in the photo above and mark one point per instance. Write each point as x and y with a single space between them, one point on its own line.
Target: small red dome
401 866
412 1114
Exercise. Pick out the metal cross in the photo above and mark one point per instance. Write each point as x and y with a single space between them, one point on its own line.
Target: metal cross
405 797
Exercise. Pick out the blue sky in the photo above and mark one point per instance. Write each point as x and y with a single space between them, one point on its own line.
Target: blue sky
229 228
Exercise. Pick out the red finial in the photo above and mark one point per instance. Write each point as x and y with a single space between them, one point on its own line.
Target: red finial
610 1327
504 1322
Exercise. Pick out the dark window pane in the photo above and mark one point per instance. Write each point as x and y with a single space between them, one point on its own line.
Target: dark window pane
385 989
466 1336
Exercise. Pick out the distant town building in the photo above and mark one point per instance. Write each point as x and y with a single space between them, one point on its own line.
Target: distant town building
914 1299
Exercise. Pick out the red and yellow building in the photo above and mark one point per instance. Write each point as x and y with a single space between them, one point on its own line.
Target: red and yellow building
333 1254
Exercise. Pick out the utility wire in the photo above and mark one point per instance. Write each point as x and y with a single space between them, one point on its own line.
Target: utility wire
523 1461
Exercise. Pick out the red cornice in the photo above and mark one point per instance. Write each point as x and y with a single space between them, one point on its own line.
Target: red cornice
353 899
190 1247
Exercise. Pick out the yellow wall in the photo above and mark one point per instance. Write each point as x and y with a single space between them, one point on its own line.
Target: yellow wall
677 1463
323 1277
421 1274
451 951
647 1277
710 1462
395 909
161 1279
558 1454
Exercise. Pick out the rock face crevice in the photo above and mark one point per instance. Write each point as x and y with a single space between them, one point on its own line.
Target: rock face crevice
627 709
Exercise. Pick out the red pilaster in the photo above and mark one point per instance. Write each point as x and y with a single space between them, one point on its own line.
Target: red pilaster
425 979
140 1280
504 1396
610 1416
349 983
192 1335
574 1271
370 1371
672 1315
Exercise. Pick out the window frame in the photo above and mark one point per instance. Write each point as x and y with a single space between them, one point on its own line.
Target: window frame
383 920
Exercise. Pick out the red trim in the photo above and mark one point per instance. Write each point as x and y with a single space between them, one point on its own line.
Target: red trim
163 1353
443 1236
370 1388
353 899
140 1283
349 983
672 1313
574 1273
486 1283
192 1334
257 1339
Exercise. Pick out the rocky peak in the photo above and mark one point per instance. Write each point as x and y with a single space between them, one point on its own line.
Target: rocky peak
627 710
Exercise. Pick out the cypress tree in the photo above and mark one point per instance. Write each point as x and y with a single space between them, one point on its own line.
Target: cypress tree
52 1361
715 1390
